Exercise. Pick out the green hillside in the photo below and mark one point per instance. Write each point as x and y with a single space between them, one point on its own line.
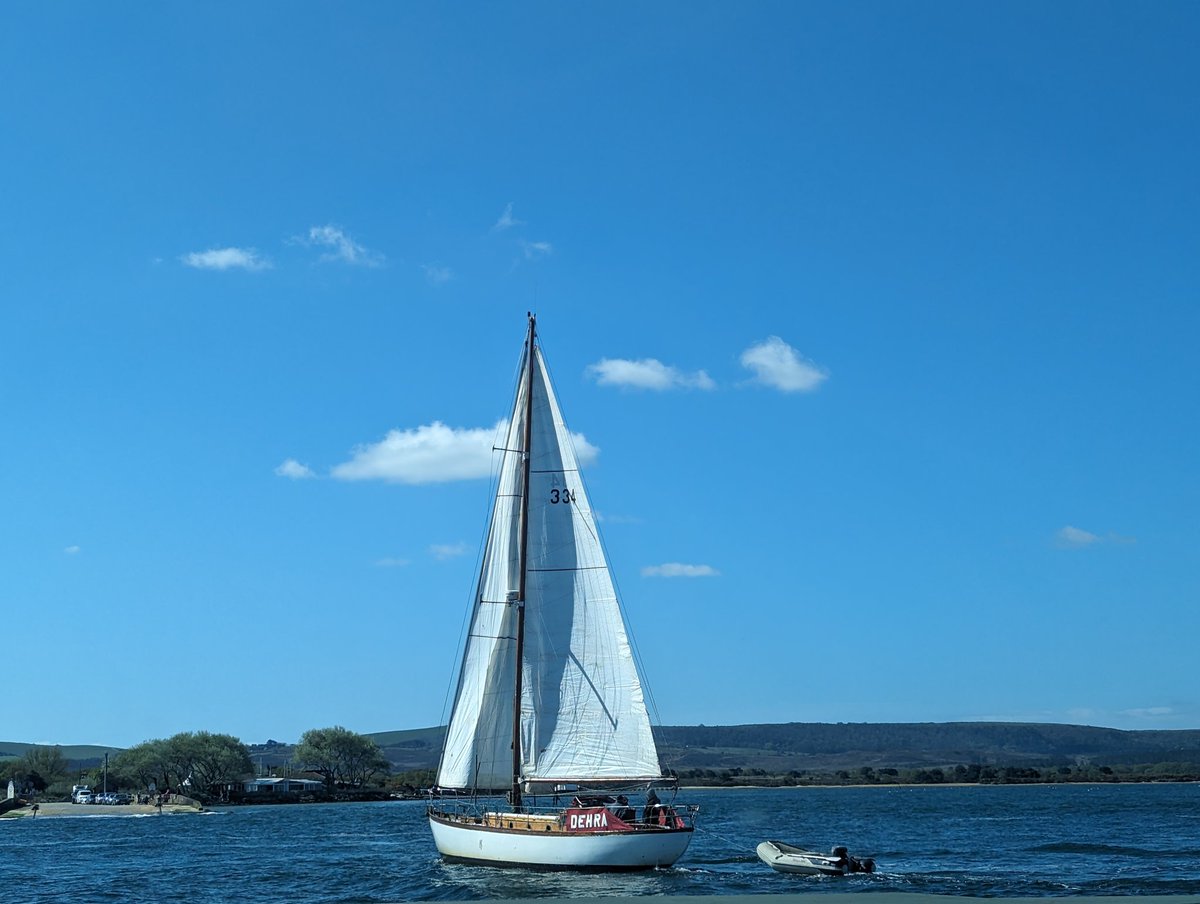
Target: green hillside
418 748
80 754
779 749
799 746
413 738
414 748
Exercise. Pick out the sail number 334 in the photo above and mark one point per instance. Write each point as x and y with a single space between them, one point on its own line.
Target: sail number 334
563 496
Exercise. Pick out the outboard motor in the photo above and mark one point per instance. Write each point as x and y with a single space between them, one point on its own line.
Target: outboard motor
866 865
852 864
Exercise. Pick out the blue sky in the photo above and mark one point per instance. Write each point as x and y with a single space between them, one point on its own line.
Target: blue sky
879 321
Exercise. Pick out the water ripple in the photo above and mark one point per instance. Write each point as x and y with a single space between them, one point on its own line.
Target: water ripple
979 842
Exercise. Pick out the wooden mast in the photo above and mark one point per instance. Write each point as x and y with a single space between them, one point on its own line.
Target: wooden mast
515 794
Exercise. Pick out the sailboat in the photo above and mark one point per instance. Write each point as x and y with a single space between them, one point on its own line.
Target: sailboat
549 717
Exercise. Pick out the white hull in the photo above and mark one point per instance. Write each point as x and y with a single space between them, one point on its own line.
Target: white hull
629 850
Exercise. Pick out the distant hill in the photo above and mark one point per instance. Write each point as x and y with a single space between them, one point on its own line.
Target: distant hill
414 748
781 748
83 755
419 748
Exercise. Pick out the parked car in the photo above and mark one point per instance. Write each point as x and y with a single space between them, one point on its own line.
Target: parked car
83 797
121 798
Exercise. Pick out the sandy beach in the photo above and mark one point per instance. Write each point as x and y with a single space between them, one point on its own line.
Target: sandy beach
58 810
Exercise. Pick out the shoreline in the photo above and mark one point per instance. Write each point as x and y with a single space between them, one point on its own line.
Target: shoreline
876 897
877 785
884 785
91 811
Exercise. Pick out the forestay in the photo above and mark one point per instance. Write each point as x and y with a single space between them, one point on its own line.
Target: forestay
583 714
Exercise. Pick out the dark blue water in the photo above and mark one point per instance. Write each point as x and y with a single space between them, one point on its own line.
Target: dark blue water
984 841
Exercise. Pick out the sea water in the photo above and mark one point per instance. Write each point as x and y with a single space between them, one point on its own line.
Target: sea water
1011 841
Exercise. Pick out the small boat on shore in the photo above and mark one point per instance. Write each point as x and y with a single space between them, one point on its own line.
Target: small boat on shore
787 858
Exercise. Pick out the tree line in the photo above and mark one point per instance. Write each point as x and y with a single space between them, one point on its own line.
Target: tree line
38 769
959 774
201 764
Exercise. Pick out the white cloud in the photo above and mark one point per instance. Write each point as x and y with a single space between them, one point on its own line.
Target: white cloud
585 452
293 469
437 275
1071 537
1074 538
341 246
72 550
391 562
535 250
507 220
226 259
1149 712
435 453
648 373
1138 717
444 551
777 364
679 570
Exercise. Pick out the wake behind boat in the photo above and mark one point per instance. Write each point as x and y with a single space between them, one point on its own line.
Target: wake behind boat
549 699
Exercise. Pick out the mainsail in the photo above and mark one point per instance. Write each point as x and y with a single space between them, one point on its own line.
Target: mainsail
583 715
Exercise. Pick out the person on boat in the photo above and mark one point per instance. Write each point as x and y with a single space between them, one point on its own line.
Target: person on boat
624 812
653 808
